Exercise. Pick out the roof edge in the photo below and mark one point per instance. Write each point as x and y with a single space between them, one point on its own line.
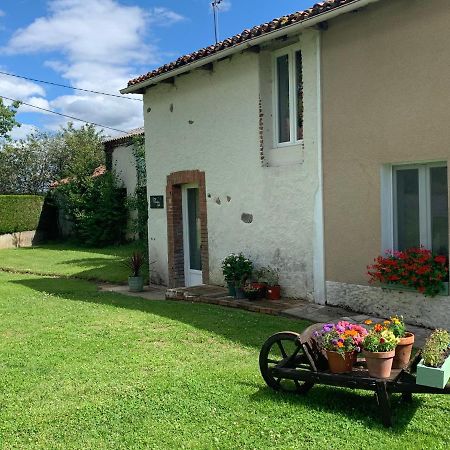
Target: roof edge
306 23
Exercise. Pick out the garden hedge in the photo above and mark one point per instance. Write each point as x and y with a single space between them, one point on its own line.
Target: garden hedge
20 212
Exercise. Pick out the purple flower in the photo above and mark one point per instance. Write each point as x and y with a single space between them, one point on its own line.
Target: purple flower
340 329
316 334
334 341
358 349
341 340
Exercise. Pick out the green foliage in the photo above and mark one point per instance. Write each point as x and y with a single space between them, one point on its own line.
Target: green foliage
436 348
236 269
19 212
380 341
8 119
30 165
96 208
83 150
138 201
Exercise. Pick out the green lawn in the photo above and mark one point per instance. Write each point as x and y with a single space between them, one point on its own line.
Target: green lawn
85 369
105 264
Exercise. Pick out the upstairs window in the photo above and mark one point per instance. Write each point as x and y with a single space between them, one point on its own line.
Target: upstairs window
288 96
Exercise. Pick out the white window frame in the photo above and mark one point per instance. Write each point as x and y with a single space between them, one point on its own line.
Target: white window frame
290 51
389 202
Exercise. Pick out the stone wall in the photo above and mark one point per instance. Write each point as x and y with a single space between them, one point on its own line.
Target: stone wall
415 308
20 239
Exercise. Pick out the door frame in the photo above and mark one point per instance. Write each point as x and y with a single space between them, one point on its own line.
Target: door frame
191 276
175 251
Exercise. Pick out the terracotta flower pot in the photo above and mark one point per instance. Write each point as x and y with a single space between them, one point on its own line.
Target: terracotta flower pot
273 292
262 288
379 364
403 351
340 363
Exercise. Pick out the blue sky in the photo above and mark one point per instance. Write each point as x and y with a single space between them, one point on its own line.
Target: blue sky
100 44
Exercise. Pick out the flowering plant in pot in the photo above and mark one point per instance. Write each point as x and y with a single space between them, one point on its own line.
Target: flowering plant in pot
251 293
236 269
341 342
272 275
259 281
379 350
415 269
135 280
406 340
434 368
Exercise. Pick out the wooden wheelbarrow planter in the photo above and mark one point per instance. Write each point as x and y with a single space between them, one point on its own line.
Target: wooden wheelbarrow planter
301 364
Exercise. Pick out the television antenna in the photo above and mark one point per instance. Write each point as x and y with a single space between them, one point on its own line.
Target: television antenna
215 6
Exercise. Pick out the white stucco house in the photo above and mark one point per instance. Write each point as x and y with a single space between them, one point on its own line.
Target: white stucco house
295 142
120 157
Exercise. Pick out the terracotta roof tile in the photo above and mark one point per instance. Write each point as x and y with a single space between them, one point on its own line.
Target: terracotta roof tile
124 137
245 35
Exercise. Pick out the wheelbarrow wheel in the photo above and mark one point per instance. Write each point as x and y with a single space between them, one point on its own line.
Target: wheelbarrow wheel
283 351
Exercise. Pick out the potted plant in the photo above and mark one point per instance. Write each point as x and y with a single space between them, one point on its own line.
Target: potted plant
341 342
136 280
272 276
251 293
237 269
259 282
406 340
379 350
416 269
434 368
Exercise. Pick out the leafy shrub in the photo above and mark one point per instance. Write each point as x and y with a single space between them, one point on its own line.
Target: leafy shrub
96 208
236 269
19 212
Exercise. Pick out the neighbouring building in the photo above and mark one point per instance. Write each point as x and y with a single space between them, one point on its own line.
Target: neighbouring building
121 158
311 143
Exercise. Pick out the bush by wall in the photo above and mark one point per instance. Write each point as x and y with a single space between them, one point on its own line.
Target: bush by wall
20 212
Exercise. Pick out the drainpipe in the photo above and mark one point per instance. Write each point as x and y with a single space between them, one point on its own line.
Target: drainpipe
320 293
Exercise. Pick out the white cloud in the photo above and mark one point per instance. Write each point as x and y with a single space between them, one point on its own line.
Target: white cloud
19 89
2 13
35 101
23 131
163 17
225 6
96 47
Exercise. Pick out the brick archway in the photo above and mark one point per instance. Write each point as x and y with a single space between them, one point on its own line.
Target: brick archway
175 225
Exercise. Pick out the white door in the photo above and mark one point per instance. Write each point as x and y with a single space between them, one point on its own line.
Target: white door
192 235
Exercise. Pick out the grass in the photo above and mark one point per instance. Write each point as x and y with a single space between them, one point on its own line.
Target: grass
105 264
83 369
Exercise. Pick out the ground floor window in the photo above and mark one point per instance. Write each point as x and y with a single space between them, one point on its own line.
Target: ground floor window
419 207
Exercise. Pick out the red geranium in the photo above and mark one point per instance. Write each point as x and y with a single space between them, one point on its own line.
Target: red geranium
415 267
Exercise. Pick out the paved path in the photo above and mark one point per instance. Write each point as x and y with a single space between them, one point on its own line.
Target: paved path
319 313
292 308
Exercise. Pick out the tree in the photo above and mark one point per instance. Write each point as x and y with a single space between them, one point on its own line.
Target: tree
8 119
30 165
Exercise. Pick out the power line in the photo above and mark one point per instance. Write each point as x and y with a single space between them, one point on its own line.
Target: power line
63 115
71 87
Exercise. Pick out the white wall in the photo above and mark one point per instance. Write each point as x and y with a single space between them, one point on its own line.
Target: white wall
210 122
124 165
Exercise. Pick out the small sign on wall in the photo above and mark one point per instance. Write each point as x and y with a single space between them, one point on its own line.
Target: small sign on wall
156 202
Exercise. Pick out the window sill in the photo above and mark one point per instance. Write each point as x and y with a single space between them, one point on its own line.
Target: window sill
286 155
